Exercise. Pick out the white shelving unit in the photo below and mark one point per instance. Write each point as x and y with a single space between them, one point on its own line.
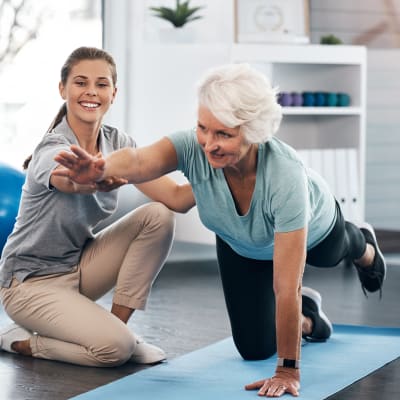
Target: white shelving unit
330 139
322 111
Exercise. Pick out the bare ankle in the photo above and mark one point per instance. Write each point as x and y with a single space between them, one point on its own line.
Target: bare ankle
22 347
368 257
307 325
122 312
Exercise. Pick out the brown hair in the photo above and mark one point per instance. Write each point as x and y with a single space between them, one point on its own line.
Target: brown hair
79 54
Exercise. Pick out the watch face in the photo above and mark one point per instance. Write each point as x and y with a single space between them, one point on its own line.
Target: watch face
268 18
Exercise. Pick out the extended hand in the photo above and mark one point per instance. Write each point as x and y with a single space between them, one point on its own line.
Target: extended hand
80 166
276 386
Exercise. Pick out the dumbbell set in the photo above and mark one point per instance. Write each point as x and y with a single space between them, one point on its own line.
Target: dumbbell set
313 99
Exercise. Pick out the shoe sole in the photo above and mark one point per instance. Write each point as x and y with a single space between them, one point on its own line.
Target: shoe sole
316 297
157 357
370 229
147 362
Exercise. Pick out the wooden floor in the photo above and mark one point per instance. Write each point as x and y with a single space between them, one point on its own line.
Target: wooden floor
186 311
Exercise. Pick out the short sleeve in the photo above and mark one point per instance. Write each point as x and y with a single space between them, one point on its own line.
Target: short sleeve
43 161
186 147
290 202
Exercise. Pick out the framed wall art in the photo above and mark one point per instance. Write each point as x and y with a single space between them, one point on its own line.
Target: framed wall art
272 21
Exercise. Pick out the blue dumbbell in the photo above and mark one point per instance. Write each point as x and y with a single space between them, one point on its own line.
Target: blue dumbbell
343 100
308 99
297 99
320 99
331 99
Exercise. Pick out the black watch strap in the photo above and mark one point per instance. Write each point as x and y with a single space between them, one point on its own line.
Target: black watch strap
288 363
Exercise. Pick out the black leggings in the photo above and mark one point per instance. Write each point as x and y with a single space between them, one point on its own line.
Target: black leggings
248 286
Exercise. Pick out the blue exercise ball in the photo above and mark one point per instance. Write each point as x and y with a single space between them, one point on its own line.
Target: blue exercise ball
11 181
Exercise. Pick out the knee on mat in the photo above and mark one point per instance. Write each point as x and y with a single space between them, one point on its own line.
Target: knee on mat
254 352
114 352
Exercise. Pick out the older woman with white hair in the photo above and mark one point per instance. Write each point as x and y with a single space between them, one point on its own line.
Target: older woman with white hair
270 215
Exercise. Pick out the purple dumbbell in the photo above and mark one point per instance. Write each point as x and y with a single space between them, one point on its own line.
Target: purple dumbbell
285 99
297 99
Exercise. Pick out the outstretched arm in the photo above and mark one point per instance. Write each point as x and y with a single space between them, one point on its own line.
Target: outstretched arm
135 165
178 198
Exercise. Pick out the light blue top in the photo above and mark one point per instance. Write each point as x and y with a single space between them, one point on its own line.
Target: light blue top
52 227
287 196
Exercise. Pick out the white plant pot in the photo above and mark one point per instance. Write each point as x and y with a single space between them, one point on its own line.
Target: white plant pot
177 35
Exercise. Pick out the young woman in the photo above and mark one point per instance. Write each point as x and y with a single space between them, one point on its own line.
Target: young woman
53 267
270 214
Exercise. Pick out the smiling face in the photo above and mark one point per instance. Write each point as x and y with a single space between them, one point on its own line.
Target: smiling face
224 147
88 91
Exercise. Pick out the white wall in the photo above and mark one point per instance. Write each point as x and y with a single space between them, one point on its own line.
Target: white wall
383 139
376 24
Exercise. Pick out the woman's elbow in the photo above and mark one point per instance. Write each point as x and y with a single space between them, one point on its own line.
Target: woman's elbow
181 208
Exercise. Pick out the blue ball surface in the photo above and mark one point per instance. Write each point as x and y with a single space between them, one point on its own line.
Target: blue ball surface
11 181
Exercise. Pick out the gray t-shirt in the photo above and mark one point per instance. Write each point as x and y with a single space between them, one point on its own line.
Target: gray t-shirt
286 197
52 227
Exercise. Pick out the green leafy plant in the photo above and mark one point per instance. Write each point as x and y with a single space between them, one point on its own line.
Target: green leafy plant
330 39
178 16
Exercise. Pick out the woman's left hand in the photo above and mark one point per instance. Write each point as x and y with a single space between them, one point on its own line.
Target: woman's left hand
277 386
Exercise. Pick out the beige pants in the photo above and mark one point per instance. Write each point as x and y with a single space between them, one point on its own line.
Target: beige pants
70 326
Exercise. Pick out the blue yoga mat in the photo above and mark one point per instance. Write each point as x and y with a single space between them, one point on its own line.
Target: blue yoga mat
218 372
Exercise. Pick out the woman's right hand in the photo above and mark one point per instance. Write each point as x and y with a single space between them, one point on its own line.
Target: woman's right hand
110 183
282 382
80 166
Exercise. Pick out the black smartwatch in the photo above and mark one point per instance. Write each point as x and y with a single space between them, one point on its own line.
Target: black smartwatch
288 363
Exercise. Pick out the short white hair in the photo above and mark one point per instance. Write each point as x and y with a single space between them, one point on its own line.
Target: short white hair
239 95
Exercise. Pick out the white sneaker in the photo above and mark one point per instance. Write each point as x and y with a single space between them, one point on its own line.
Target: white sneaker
10 334
146 353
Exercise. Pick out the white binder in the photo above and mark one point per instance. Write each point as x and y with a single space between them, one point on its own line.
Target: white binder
341 183
329 168
353 185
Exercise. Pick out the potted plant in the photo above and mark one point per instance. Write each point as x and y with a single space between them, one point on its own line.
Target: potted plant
178 16
330 39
